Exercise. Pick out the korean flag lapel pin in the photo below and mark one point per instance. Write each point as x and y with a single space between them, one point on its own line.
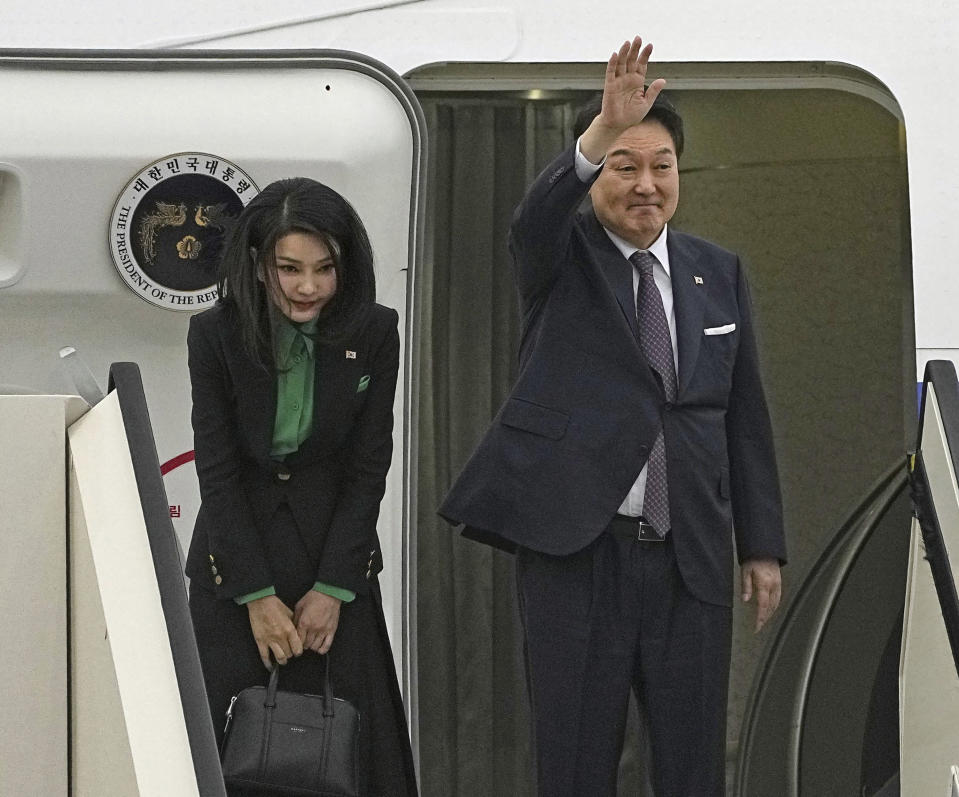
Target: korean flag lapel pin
350 355
698 280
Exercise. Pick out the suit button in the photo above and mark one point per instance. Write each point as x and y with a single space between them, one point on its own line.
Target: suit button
283 476
213 570
218 580
667 406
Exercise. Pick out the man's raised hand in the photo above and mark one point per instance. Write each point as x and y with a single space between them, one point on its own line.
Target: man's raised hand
626 99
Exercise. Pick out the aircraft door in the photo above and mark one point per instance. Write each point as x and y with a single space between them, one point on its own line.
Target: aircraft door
119 173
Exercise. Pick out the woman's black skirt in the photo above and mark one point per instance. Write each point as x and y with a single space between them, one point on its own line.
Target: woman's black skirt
360 660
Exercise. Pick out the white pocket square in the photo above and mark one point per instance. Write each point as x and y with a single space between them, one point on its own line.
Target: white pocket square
725 329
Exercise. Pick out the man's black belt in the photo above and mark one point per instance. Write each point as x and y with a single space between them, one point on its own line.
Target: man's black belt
633 528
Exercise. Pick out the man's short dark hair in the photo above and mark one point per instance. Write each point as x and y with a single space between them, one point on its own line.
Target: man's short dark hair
663 111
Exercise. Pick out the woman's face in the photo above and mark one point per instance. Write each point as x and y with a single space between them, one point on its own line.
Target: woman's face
305 276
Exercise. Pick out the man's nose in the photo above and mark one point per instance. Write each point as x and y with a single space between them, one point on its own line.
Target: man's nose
643 182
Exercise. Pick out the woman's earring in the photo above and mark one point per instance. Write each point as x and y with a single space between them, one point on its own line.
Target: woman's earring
259 266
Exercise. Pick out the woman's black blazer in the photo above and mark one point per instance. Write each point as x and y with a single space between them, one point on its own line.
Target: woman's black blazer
333 484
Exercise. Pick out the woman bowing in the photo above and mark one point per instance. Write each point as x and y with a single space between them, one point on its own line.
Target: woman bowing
293 375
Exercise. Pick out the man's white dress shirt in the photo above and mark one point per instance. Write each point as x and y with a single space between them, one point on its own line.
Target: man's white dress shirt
633 503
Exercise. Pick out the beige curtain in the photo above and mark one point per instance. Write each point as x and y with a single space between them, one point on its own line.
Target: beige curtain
473 711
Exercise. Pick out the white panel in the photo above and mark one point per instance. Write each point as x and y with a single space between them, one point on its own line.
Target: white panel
272 123
130 599
928 685
928 682
942 478
101 764
63 23
33 597
430 34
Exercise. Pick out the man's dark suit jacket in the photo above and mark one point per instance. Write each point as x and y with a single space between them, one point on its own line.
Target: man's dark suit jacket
576 430
336 479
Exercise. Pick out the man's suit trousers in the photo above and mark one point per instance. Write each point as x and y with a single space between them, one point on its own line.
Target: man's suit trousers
613 617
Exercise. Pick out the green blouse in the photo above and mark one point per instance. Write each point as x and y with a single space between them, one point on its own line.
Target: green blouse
296 368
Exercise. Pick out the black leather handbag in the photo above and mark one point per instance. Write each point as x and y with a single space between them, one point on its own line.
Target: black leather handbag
291 743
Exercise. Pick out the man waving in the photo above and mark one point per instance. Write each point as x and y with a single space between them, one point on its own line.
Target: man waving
634 446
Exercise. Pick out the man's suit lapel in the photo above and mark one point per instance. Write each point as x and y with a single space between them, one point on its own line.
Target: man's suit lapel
619 275
618 271
689 302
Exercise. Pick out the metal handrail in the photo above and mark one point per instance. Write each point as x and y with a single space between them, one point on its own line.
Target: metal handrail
841 552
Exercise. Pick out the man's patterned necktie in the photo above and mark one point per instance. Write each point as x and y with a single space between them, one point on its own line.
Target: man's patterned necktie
658 349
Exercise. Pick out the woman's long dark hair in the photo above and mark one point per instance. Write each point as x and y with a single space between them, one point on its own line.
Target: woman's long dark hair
247 272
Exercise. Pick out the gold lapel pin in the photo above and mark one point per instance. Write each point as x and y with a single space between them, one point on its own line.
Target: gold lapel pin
698 280
350 355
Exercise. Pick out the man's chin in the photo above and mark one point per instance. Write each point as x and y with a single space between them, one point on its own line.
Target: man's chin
640 235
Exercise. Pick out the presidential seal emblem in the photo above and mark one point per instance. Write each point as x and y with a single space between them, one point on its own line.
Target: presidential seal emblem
169 224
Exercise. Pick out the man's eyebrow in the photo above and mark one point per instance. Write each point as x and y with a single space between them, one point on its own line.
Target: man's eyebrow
630 152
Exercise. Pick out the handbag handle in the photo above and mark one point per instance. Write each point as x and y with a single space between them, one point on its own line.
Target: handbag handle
269 700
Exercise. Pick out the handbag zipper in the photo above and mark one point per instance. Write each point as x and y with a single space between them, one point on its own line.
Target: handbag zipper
229 715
